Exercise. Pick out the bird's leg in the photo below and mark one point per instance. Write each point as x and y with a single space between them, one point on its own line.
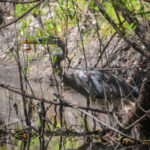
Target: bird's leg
85 117
86 128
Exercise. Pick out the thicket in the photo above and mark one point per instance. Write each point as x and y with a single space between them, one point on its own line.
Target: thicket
98 19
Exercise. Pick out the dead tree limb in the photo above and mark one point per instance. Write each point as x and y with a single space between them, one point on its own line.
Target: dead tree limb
140 113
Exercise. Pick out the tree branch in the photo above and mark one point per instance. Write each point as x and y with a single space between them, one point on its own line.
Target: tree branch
64 102
4 26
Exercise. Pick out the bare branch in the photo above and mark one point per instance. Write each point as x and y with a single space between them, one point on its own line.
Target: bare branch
4 26
64 102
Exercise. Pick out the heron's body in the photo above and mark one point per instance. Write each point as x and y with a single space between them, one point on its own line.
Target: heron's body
100 84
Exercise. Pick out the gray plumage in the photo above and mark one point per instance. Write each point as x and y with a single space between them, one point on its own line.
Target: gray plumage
100 84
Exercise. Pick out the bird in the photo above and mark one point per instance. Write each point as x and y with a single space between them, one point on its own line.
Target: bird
94 83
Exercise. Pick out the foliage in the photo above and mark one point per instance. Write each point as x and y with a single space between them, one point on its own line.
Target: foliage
68 10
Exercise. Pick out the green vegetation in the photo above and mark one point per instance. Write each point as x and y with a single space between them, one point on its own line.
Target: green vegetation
68 14
79 22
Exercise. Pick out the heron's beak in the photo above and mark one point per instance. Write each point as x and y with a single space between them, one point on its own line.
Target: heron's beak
41 40
28 42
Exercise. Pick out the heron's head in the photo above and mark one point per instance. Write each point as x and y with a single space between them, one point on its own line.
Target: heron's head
42 40
49 40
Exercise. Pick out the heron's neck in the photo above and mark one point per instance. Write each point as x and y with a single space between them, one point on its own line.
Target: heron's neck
63 47
64 51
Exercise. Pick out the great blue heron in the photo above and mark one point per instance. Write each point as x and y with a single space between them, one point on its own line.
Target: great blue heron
95 83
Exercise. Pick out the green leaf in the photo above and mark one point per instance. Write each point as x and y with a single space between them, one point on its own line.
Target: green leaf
91 4
141 10
55 59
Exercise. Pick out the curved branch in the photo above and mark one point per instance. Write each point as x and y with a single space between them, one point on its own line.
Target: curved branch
64 102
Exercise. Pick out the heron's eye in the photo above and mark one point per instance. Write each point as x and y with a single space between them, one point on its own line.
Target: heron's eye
39 39
83 77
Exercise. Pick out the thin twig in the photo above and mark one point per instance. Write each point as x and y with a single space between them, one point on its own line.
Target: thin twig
8 24
19 2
